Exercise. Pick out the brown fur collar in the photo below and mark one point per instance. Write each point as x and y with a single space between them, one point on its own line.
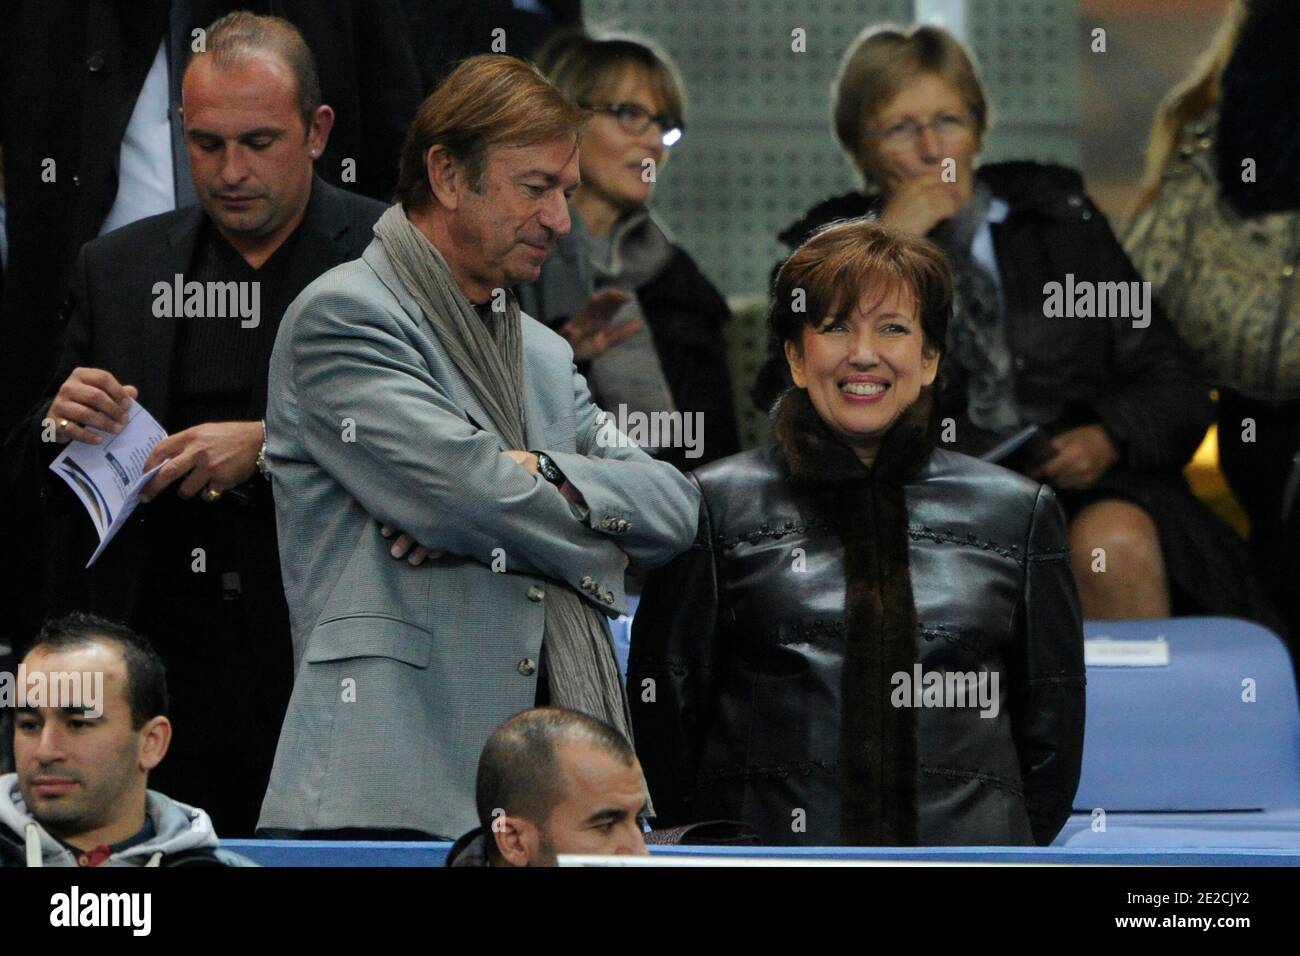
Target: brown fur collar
817 456
879 754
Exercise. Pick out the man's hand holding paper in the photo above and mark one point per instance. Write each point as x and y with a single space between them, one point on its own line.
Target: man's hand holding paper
215 456
90 398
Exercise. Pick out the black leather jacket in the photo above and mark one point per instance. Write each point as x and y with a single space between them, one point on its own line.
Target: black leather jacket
738 649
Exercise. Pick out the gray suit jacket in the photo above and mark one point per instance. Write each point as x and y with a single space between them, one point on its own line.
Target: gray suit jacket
402 672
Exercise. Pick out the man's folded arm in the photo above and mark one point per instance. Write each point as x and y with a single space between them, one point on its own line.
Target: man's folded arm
648 507
377 421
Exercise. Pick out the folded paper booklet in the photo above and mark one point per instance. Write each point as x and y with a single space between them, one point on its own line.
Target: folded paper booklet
109 477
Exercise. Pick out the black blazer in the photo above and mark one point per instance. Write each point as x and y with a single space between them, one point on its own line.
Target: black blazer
70 74
112 326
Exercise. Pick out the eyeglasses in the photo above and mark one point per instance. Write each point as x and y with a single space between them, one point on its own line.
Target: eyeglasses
636 119
948 126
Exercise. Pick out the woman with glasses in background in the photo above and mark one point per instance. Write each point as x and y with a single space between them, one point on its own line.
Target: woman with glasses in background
644 322
1105 379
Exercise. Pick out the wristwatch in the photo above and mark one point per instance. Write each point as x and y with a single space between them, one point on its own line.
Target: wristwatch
548 469
262 467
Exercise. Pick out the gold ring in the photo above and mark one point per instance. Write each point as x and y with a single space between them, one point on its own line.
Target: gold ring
63 424
211 494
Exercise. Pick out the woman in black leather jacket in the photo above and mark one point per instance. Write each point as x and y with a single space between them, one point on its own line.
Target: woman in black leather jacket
872 641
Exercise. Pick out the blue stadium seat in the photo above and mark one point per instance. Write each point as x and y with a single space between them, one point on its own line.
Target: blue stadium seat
1259 830
339 852
1179 755
1188 736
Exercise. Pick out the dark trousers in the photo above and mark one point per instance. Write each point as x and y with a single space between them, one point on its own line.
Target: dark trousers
229 673
202 582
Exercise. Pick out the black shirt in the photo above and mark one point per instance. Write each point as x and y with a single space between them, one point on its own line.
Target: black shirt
218 358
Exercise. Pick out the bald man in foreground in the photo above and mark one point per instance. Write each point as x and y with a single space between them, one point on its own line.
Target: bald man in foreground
554 781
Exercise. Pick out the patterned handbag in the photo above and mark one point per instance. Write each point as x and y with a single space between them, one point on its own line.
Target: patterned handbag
1226 281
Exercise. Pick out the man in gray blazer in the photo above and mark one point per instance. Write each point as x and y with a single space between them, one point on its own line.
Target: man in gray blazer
391 405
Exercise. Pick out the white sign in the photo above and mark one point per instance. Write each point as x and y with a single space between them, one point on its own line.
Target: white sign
1106 652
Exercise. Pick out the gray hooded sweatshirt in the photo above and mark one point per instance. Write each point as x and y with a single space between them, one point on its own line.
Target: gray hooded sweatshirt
178 828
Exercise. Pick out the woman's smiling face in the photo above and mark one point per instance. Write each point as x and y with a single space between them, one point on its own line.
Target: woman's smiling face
864 368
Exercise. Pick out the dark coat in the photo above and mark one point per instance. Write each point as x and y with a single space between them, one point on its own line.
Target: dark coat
1257 116
112 326
70 73
772 643
469 850
686 314
445 32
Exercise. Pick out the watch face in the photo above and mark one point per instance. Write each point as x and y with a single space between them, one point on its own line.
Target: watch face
547 468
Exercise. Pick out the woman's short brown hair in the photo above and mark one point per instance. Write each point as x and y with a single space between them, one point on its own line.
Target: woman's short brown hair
488 100
880 62
835 265
584 67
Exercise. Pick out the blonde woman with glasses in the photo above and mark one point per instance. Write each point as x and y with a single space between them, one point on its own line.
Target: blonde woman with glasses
644 322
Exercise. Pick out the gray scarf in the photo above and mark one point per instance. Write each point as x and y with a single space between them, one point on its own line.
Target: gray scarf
977 337
488 351
635 251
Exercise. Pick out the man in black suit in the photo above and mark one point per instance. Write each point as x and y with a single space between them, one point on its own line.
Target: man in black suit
73 72
91 139
197 568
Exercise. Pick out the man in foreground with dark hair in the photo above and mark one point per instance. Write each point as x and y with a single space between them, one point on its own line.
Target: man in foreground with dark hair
80 795
554 781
